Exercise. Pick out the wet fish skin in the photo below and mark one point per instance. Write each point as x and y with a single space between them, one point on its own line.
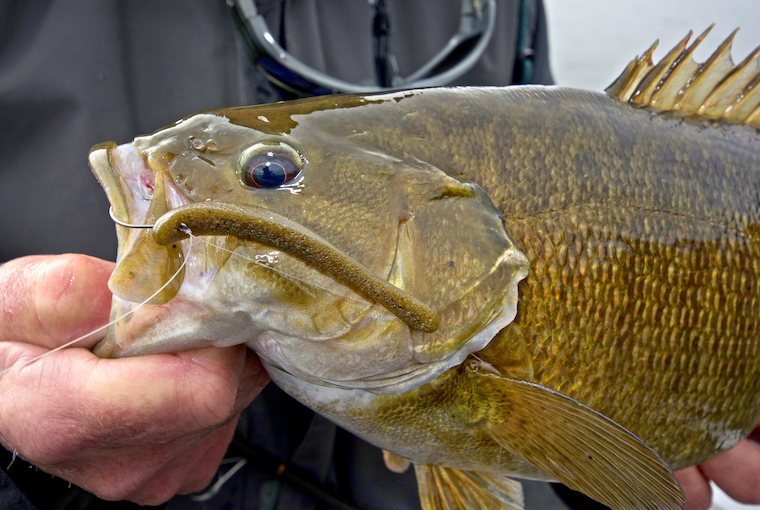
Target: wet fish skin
639 311
360 202
642 233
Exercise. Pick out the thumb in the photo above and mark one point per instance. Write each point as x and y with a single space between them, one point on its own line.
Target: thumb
49 300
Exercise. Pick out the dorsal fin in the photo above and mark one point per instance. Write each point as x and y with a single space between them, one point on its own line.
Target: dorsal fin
717 89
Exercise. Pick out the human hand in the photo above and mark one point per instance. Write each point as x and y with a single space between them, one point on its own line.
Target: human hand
140 429
736 471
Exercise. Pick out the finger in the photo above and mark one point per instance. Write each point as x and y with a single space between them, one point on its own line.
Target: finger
206 467
50 299
113 404
195 390
118 423
696 488
737 472
191 470
253 379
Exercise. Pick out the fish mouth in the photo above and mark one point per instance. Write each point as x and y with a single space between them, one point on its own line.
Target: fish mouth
138 195
123 171
100 164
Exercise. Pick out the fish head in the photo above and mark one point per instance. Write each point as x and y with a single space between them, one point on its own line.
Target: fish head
404 222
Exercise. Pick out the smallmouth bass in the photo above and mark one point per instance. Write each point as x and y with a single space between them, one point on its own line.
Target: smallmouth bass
527 281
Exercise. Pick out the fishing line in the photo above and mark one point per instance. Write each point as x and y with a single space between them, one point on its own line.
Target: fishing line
291 278
377 302
13 459
214 489
105 326
128 225
297 281
294 279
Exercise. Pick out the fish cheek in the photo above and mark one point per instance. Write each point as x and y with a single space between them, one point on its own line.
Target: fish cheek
455 255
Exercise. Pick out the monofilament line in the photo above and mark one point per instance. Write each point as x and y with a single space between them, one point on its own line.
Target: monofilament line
289 277
105 326
299 282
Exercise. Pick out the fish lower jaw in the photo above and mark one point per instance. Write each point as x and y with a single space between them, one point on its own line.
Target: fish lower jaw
139 329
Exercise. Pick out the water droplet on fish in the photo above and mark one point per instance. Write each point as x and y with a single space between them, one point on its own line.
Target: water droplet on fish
268 258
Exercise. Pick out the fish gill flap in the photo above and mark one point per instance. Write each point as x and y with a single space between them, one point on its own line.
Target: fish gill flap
716 89
578 446
455 255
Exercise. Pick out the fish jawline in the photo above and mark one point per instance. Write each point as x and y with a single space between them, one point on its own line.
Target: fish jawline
410 377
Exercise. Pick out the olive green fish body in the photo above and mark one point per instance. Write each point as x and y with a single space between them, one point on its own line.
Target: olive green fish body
643 297
528 281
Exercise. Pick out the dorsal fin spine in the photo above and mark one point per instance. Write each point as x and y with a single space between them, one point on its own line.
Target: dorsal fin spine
732 89
652 83
709 76
672 87
717 89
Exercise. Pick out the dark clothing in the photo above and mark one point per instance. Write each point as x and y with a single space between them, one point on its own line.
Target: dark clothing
74 74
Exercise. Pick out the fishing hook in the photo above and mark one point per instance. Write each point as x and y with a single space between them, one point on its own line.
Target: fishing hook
128 225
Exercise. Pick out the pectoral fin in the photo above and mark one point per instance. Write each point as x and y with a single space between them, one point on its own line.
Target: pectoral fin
451 489
578 446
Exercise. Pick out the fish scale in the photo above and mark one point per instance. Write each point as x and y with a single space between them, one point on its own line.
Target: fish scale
639 352
707 253
692 219
672 247
549 283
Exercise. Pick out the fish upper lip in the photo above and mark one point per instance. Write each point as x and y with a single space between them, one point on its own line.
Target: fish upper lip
127 179
100 164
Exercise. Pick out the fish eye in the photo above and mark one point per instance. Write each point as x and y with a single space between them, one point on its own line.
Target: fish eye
269 165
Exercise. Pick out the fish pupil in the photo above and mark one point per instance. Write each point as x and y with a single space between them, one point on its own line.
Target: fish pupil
268 175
